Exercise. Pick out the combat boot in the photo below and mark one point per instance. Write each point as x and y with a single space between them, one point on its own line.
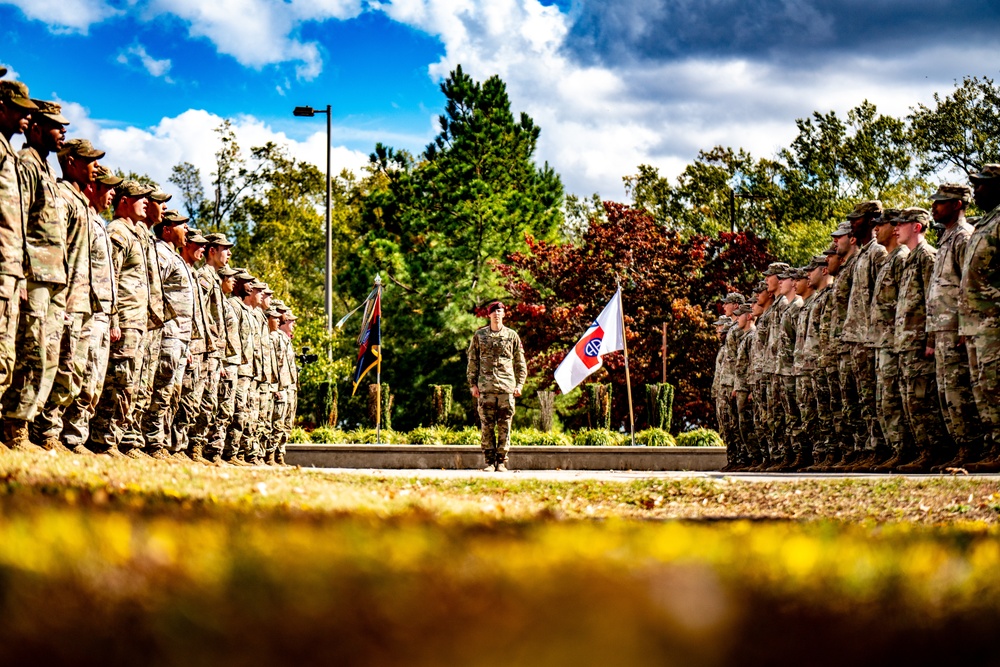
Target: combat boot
81 450
280 458
922 464
269 459
803 460
53 444
16 436
137 454
864 463
989 463
159 454
961 458
901 457
195 454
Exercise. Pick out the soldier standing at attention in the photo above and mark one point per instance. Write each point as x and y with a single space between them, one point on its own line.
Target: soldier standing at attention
224 343
850 411
193 383
758 378
870 256
41 317
215 449
496 374
943 297
917 370
980 312
15 109
888 392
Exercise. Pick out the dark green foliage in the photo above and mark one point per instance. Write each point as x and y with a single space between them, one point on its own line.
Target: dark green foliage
440 404
660 404
699 437
655 437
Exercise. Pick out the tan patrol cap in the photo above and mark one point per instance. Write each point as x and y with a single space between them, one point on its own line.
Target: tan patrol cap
873 207
16 93
987 173
228 272
219 239
134 189
915 214
160 197
843 229
174 217
81 149
49 111
774 268
951 191
104 176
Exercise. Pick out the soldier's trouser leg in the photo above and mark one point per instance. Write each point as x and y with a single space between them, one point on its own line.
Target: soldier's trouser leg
761 427
39 318
192 388
166 384
208 413
744 419
278 421
793 418
10 312
68 377
920 406
727 424
984 361
776 416
890 401
96 342
495 414
251 444
239 427
227 406
954 383
146 361
265 434
821 408
836 410
114 407
854 430
805 398
863 363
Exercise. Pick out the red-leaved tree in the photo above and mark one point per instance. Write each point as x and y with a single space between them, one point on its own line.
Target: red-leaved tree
558 289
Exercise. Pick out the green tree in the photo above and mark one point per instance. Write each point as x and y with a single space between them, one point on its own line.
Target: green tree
961 130
432 226
187 178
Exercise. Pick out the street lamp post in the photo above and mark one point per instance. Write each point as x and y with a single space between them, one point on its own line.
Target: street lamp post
309 112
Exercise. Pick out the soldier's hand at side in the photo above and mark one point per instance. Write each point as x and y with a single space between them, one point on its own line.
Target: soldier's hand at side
475 391
116 334
929 352
517 392
23 292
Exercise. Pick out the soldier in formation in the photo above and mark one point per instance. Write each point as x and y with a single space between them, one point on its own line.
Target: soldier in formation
880 355
130 338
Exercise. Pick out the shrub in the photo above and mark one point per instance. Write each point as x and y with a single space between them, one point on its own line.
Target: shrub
699 437
531 437
655 437
325 435
367 436
599 437
298 436
467 436
426 436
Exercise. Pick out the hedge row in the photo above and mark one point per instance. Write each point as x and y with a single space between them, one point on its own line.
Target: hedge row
437 435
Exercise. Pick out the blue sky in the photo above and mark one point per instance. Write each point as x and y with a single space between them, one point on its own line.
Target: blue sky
612 84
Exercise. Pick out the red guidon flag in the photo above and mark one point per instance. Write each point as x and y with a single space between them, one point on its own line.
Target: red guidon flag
604 335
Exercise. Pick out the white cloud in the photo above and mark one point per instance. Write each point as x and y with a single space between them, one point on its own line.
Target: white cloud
65 15
600 122
191 137
156 67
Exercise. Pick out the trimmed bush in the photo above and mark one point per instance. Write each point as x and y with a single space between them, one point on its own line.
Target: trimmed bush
366 436
599 405
599 437
325 435
299 436
655 437
467 436
699 437
530 437
426 436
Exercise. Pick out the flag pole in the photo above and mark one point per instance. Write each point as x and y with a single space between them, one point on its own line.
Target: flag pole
378 368
628 382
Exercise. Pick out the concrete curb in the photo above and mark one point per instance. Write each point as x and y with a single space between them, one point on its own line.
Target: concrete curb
452 457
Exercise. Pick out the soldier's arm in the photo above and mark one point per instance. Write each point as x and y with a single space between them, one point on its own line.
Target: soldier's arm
472 370
928 272
520 365
118 250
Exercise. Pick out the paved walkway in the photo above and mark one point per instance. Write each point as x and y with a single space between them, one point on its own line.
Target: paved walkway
614 475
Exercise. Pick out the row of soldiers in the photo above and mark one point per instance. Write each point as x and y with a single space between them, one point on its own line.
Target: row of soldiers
880 355
133 338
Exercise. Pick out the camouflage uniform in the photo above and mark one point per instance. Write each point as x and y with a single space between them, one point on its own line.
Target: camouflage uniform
776 420
281 396
158 314
869 258
227 385
853 433
743 386
497 367
266 379
920 402
238 434
179 293
194 380
817 422
979 320
830 407
11 256
785 355
114 408
760 383
95 342
293 396
950 354
251 447
41 317
220 348
883 327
